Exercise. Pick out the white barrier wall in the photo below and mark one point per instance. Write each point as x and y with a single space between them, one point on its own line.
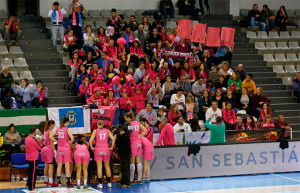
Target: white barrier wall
223 160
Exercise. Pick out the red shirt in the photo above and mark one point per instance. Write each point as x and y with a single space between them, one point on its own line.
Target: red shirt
123 103
97 100
167 135
113 102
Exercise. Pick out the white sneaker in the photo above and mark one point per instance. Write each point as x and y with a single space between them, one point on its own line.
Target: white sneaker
109 185
99 186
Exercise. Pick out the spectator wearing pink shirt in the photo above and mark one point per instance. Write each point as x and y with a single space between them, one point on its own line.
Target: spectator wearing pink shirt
188 71
139 98
96 99
84 89
74 63
166 136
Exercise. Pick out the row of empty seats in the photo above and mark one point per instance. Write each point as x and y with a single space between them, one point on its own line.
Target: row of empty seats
107 12
286 69
18 62
12 50
290 57
290 12
23 74
280 45
273 35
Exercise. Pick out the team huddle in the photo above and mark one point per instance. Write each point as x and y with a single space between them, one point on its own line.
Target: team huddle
128 141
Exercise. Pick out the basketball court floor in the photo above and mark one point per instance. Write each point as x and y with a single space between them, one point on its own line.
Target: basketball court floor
266 183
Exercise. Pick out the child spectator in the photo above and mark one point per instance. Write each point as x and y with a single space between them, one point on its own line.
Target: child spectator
250 125
235 83
74 63
69 43
189 106
267 123
151 70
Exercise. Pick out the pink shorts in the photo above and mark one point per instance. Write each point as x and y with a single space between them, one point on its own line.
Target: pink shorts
102 154
64 155
47 154
136 148
148 153
81 157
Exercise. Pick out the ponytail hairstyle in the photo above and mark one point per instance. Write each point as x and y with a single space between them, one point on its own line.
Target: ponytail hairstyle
47 125
63 121
41 127
130 115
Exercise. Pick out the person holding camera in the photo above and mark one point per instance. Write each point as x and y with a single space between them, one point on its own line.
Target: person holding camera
40 95
124 152
23 92
136 146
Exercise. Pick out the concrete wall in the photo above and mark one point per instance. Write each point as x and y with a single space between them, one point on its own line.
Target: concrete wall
236 5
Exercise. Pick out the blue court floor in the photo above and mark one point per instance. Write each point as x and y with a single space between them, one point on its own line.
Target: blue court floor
266 183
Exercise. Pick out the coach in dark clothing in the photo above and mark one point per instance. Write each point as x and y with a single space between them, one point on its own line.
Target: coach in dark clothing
76 18
124 151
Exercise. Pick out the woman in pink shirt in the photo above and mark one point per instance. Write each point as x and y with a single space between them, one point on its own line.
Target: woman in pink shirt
139 98
173 114
74 63
48 153
250 125
267 123
102 151
151 70
188 71
126 105
266 110
167 133
103 39
65 139
32 147
111 100
148 154
136 146
202 71
144 85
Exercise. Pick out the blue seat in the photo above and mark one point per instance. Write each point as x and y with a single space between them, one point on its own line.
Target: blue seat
18 160
41 164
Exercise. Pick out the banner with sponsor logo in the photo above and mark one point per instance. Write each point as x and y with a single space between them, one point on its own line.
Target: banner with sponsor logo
188 138
225 159
104 113
254 135
79 118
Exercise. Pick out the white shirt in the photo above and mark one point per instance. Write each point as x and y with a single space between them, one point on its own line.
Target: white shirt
63 12
185 127
88 39
70 40
211 112
174 99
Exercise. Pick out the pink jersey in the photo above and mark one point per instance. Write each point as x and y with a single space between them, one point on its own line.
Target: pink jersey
135 134
47 138
101 138
81 154
63 136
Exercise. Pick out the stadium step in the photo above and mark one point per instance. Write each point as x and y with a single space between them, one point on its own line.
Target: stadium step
60 93
267 87
58 79
245 51
63 100
29 36
287 113
254 69
36 55
248 63
48 67
55 86
241 39
282 100
261 80
243 45
44 61
246 57
285 106
275 93
265 74
292 120
51 73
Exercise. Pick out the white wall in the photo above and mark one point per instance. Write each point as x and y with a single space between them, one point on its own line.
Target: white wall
236 5
3 4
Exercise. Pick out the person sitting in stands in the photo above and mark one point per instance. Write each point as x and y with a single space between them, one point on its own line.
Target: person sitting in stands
239 124
74 63
228 115
250 125
12 30
12 140
254 16
96 100
103 39
242 72
296 87
181 126
23 92
229 97
282 124
225 71
249 84
40 95
128 36
111 100
84 89
235 83
224 53
188 72
6 79
173 114
153 96
114 22
167 133
266 110
141 34
179 99
69 43
126 104
150 115
267 123
139 73
258 99
268 17
205 103
184 84
88 45
282 18
167 7
213 111
133 24
136 53
139 98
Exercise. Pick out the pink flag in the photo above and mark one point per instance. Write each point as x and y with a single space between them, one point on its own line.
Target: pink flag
199 32
213 37
104 113
227 36
184 29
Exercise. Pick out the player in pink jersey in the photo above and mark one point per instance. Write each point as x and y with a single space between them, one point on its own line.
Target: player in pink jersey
82 159
148 154
102 151
63 148
48 153
136 146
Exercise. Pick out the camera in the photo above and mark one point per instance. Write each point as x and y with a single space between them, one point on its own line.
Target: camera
42 88
17 83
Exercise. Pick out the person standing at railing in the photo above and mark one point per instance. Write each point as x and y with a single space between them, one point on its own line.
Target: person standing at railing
281 123
217 134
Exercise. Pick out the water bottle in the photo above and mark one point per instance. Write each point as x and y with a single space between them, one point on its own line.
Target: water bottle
12 179
18 180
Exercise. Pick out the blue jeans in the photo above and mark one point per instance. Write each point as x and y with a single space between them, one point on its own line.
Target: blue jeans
27 104
256 23
57 31
194 12
88 48
165 12
270 24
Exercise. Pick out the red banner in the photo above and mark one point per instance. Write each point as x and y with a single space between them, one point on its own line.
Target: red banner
227 36
184 29
104 113
199 30
213 37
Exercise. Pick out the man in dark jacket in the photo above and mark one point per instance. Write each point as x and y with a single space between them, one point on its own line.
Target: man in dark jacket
255 18
187 7
6 79
166 6
268 17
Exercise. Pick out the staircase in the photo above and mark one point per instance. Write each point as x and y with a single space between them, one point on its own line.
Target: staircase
45 63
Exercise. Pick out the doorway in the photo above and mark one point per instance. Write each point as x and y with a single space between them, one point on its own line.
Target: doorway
23 7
